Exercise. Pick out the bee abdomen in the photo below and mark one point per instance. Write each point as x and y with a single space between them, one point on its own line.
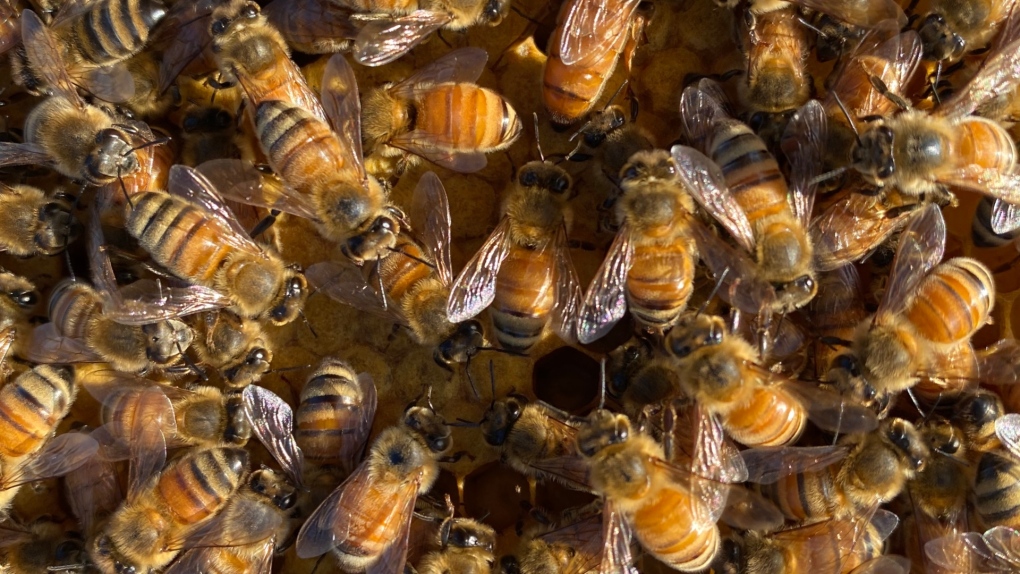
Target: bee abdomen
954 301
31 406
300 147
524 298
751 173
659 284
116 29
72 305
997 491
772 417
984 143
802 496
177 235
458 114
196 487
675 539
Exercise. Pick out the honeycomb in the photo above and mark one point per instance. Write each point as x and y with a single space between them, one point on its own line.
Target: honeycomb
683 38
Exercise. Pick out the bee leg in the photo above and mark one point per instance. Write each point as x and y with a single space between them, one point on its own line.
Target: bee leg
265 224
457 456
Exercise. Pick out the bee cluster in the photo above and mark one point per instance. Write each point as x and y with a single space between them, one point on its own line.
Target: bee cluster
509 286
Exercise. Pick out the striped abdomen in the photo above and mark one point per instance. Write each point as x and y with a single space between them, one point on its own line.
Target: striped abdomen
997 491
665 527
660 282
300 147
525 292
326 416
179 236
953 301
751 173
399 272
196 486
843 543
465 117
570 92
804 496
72 306
31 407
114 30
128 406
982 142
777 77
771 416
370 526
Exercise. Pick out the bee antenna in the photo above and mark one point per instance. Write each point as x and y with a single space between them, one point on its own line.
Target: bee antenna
428 399
623 85
408 255
155 142
382 290
291 368
464 423
715 290
850 120
123 189
309 325
471 379
538 142
827 175
492 379
523 15
602 383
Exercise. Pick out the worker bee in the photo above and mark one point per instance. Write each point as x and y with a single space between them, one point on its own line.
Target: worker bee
994 486
847 480
335 413
314 26
953 27
835 315
410 284
149 529
440 114
750 198
366 520
523 271
640 373
238 348
219 254
923 312
31 223
610 140
465 545
536 440
650 266
573 544
584 48
247 532
390 29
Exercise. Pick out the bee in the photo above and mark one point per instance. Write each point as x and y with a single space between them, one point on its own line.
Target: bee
611 140
391 29
314 26
641 374
219 254
440 114
335 413
924 312
410 284
835 315
31 223
88 45
248 531
650 266
584 48
146 531
209 132
19 298
523 271
668 509
184 42
953 26
750 198
847 480
366 520
536 440
572 545
856 225
238 348
465 545
43 545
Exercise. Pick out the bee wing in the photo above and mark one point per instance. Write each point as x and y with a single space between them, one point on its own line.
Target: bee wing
816 542
1007 428
431 147
889 564
312 21
851 229
864 14
383 40
711 458
617 533
9 20
892 60
113 83
475 287
239 180
71 9
12 153
1004 542
7 336
921 246
701 105
262 520
430 219
59 456
463 65
740 281
93 491
705 182
187 183
606 300
147 301
803 140
999 364
272 421
50 347
346 284
592 28
11 535
585 538
998 75
831 411
394 558
356 436
567 304
748 510
186 31
989 181
1005 217
965 551
342 106
46 59
767 464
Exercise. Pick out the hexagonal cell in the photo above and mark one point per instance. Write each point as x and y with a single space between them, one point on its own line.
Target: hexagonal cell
567 379
497 493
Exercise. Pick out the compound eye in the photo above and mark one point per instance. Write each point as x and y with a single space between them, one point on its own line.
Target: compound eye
528 178
630 173
220 26
513 410
594 139
257 355
251 10
26 299
190 124
440 444
560 185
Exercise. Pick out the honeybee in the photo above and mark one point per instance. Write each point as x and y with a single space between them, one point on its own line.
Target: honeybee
572 546
43 545
440 114
465 545
248 531
650 266
611 140
835 315
314 26
750 198
391 29
19 299
150 527
847 480
219 254
953 26
33 224
856 225
672 512
523 270
209 132
923 313
583 51
411 284
640 373
367 519
184 41
536 440
335 413
238 348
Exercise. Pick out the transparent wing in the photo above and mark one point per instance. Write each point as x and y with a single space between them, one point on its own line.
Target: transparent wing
705 182
1004 542
701 105
1005 217
863 13
430 220
110 83
187 26
766 465
383 40
317 23
850 229
11 36
890 564
567 304
342 105
50 347
966 550
12 153
346 284
475 287
740 282
999 364
1007 428
998 75
831 411
46 58
356 436
147 301
584 537
187 183
989 181
617 533
239 180
59 456
748 510
394 557
456 66
921 246
803 142
272 422
890 59
592 28
606 300
438 150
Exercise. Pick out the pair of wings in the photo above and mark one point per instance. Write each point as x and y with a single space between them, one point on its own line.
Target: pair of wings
58 456
995 551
